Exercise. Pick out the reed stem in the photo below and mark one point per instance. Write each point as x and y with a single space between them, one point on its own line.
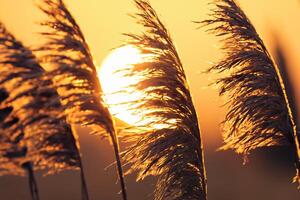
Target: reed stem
32 181
119 165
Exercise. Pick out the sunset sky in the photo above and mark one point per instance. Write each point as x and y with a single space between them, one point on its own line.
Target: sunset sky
103 23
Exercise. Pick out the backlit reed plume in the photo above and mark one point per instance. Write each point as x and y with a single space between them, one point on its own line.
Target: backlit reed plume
74 74
33 133
168 144
259 110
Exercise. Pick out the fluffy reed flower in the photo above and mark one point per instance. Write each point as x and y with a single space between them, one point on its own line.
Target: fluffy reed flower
74 74
33 133
168 142
260 113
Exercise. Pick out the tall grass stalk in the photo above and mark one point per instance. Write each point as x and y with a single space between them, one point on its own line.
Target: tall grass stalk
72 69
34 134
167 142
260 113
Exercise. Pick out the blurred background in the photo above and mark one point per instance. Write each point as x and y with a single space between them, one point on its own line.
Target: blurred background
269 173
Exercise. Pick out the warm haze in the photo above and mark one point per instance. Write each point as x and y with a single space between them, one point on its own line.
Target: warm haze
103 22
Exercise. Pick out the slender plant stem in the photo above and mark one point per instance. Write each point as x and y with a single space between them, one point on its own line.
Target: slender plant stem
84 190
119 164
32 182
292 120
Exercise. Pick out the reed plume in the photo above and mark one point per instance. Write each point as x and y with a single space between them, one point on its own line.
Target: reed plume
74 74
168 143
260 113
33 133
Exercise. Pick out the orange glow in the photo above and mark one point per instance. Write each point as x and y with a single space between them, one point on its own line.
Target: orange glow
113 82
267 176
116 86
103 23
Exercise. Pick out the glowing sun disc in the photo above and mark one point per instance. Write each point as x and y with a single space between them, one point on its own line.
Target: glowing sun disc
112 83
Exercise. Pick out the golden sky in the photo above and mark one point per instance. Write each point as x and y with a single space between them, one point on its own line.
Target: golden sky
103 23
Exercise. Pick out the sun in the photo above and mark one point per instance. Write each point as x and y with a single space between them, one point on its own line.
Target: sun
113 82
